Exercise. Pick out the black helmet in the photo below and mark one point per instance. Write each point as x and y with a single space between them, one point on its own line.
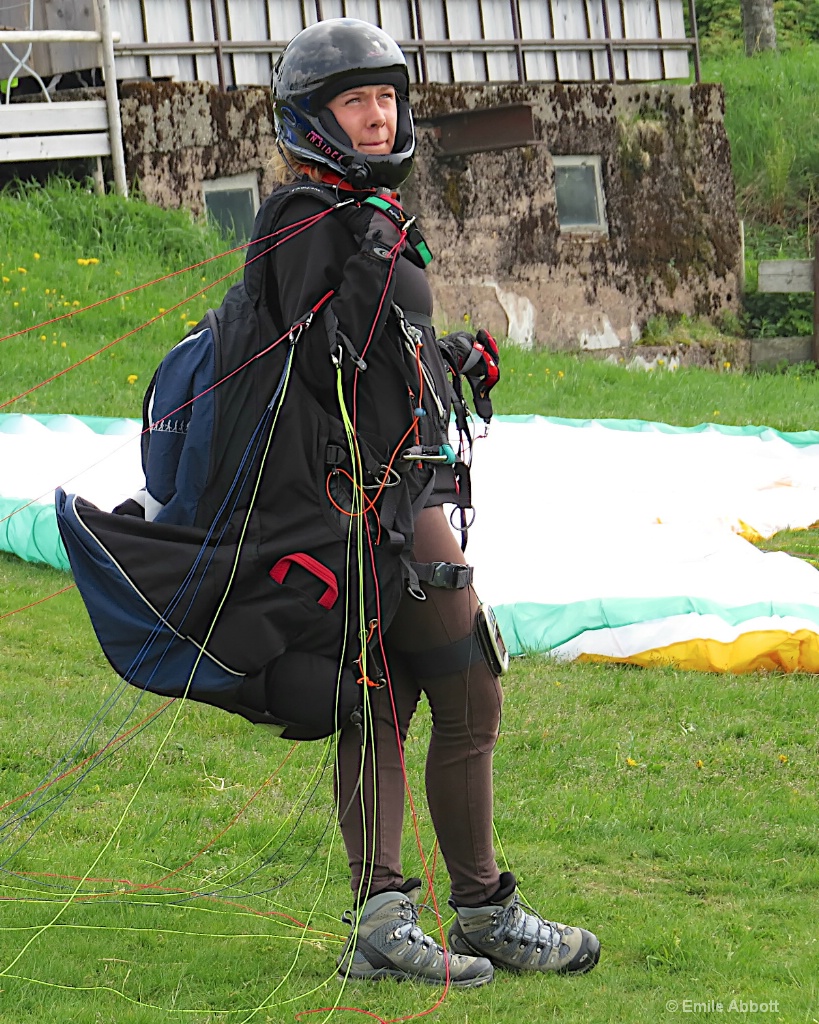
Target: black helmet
319 63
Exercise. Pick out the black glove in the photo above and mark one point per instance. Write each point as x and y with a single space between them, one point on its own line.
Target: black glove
376 225
477 358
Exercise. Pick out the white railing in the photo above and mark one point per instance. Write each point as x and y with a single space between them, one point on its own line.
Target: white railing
55 130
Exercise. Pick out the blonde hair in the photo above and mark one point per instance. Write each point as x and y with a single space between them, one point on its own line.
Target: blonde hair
286 167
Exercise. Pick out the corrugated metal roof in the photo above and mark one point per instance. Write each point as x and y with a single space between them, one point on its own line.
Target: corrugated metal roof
235 42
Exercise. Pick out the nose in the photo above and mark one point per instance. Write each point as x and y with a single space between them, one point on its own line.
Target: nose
375 115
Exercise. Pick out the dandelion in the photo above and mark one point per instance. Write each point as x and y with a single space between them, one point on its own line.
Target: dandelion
699 764
191 323
548 370
82 262
42 337
631 762
62 344
162 309
15 304
783 758
75 303
23 289
22 270
93 261
726 365
558 682
132 378
716 412
560 373
48 291
6 279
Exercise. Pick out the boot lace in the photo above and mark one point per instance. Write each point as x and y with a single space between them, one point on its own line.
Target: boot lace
522 924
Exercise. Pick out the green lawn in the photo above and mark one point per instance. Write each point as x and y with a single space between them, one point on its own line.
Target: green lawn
191 871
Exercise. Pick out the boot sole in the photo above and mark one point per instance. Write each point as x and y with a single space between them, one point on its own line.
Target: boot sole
384 974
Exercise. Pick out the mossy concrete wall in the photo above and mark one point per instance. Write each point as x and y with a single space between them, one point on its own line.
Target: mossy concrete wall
673 242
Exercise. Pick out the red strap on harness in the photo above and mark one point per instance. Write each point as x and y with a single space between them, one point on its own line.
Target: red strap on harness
282 567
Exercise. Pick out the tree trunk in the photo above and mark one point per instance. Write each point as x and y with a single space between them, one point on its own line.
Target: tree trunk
758 25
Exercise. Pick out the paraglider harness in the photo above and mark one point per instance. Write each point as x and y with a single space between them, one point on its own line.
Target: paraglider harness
269 551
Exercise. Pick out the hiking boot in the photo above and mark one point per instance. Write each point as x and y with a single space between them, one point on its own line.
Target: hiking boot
513 936
386 942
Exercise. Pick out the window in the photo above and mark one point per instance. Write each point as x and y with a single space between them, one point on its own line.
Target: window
232 204
579 192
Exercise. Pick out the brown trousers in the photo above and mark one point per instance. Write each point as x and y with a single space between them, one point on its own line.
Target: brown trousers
466 710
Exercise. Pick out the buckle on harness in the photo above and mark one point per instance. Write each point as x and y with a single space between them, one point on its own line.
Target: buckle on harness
429 453
451 575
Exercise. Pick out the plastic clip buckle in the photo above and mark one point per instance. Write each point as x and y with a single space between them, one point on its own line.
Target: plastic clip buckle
451 575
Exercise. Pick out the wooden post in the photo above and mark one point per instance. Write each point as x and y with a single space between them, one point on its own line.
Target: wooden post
816 300
112 99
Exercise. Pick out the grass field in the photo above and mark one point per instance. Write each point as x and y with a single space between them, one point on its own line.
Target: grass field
174 876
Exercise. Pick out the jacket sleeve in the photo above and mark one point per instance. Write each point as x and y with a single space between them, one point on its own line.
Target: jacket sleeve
321 258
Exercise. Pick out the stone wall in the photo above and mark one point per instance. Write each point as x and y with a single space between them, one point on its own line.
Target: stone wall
673 242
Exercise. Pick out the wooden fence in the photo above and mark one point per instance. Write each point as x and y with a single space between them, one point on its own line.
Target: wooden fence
786 276
58 131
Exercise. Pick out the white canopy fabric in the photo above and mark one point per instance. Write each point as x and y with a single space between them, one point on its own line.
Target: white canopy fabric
609 540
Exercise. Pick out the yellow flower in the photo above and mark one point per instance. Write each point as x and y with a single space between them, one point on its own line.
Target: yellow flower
75 303
82 262
716 412
36 255
191 323
62 344
42 337
15 303
783 758
560 373
132 378
631 762
23 289
162 309
48 291
699 764
6 279
727 365
93 261
22 270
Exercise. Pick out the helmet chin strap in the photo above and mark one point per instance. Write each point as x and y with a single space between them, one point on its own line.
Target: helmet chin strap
358 174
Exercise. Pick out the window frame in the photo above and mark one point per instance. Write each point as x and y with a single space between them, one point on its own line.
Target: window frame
601 226
247 181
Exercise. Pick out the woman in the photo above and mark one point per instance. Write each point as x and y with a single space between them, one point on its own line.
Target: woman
344 127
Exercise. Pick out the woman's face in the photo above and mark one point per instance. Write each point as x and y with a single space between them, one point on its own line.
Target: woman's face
369 115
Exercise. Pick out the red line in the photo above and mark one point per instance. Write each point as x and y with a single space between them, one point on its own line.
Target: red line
153 320
108 746
26 607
